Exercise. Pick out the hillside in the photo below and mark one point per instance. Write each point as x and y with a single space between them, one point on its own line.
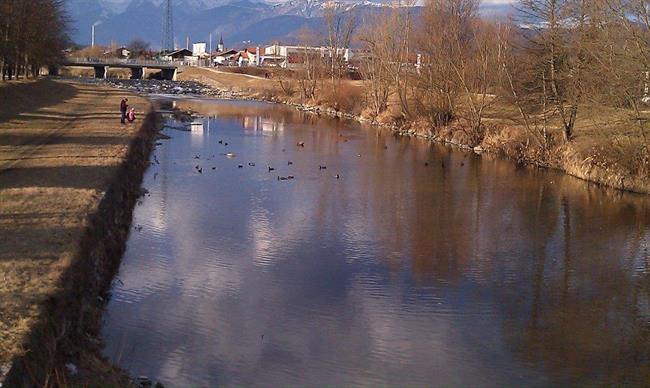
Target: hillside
239 21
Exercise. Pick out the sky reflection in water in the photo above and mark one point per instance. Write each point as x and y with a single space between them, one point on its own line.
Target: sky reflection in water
398 273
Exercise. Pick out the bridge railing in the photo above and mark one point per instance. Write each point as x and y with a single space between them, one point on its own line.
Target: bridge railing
109 61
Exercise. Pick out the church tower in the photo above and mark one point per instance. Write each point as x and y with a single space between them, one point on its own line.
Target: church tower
220 46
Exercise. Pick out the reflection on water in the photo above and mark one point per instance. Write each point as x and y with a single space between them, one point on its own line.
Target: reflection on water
464 271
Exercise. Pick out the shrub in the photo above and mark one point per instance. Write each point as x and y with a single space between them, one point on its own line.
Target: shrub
346 98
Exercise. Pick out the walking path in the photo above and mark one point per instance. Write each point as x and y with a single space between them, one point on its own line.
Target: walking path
60 144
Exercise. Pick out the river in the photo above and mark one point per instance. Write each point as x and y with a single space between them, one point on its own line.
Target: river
402 262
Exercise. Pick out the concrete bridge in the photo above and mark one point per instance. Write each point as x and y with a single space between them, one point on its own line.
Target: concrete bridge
138 68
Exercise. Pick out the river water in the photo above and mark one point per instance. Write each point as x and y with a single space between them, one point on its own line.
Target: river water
419 265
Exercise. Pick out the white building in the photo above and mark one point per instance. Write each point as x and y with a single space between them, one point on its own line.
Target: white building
250 57
199 49
294 56
227 57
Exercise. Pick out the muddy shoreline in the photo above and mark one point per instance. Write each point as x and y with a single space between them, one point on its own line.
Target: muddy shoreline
65 348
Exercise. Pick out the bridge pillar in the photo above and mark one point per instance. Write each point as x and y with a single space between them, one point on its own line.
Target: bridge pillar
169 74
138 72
101 71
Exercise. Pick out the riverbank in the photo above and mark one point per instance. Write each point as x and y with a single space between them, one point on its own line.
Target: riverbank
605 150
70 175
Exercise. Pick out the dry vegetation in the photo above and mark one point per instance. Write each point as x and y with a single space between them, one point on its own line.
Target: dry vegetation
567 91
61 144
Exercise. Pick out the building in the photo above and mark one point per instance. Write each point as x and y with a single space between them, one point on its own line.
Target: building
199 49
121 53
295 56
225 58
249 57
220 46
178 55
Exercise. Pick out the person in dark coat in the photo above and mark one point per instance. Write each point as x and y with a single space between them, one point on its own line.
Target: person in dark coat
124 106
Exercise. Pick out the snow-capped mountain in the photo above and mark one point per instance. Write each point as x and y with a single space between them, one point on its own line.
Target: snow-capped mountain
239 21
316 8
116 7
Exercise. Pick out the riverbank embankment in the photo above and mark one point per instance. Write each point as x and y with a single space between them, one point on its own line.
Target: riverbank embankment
70 175
606 149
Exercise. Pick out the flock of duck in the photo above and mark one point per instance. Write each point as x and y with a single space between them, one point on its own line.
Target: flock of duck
270 168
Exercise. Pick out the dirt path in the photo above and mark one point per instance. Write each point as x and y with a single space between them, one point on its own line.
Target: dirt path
228 81
60 144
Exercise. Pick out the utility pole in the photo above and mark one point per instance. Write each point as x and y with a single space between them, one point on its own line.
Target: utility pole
167 41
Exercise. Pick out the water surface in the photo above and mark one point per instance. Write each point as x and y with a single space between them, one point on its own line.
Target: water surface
420 265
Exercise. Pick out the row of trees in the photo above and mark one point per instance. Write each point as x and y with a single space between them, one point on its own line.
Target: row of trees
138 48
554 59
444 63
32 34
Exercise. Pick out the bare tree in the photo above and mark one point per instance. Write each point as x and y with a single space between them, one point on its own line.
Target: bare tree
623 54
32 34
309 62
458 66
340 24
512 65
398 50
557 32
138 48
287 84
375 60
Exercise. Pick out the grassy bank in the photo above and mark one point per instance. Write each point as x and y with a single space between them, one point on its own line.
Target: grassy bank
605 149
69 177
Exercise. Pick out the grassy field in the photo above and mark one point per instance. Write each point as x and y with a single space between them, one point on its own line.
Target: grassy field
268 89
61 143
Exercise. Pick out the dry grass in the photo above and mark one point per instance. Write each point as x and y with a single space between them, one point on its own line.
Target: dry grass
607 147
227 80
256 86
348 97
60 144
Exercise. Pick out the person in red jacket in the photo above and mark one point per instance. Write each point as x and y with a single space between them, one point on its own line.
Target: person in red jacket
131 115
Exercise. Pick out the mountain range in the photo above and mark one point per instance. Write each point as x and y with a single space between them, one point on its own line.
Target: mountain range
240 22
